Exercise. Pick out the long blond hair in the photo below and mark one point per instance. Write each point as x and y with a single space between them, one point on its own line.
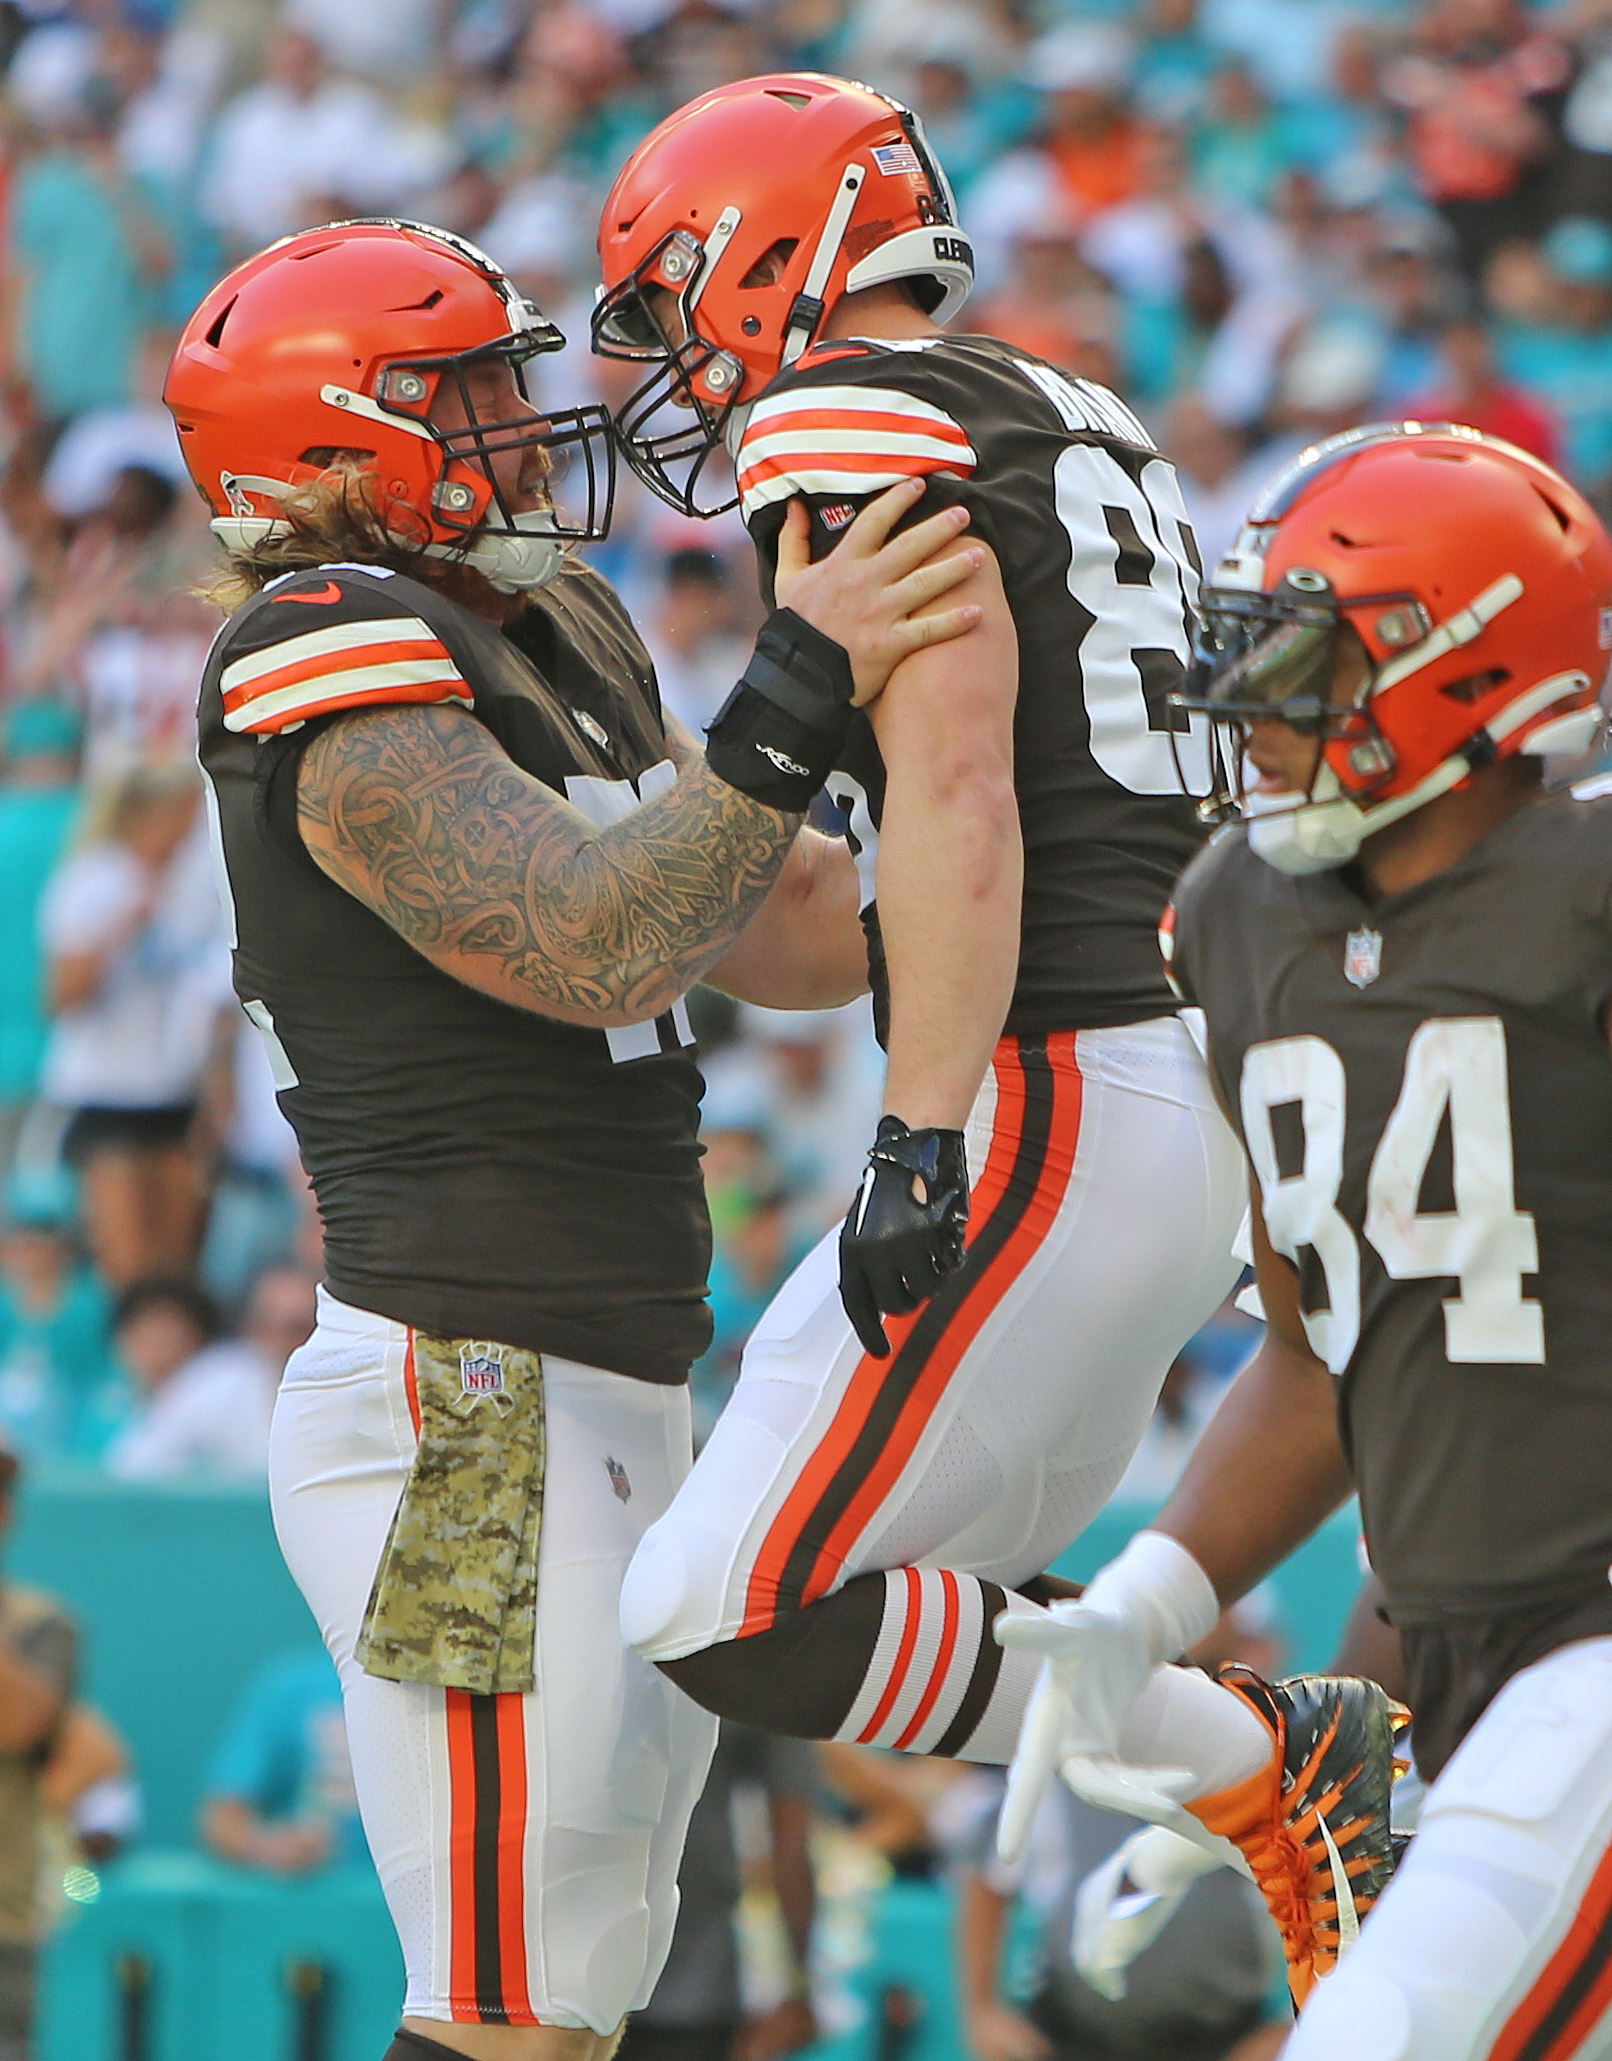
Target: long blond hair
335 519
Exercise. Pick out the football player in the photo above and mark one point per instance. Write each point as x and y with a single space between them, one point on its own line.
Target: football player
941 1398
1405 957
472 870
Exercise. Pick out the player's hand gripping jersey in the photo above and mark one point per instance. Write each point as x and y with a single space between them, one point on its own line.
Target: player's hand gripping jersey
1100 570
1424 1087
481 1171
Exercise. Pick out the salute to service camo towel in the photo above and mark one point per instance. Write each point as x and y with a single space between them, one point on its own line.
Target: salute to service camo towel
455 1597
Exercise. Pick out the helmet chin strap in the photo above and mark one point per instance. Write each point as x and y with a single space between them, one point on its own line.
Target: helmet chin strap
806 316
517 564
1324 829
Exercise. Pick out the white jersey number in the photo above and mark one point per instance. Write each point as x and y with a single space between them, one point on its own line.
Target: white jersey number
1455 1068
1131 567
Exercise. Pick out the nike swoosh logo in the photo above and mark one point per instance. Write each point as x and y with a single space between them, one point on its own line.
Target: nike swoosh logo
327 593
1348 1914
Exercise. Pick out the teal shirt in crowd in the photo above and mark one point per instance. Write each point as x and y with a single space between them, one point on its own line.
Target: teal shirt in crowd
34 824
1569 370
285 1753
84 307
57 1380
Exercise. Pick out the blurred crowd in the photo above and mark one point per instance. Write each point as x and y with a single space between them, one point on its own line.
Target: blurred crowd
1260 220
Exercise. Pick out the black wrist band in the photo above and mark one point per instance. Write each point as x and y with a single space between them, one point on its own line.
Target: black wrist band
777 735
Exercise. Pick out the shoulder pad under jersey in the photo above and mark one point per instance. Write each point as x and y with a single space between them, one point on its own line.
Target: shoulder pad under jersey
328 640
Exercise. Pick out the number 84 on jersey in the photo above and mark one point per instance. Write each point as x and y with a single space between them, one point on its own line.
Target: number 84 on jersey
1294 1106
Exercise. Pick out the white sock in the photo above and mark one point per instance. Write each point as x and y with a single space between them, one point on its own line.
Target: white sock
931 1665
996 1737
1182 1719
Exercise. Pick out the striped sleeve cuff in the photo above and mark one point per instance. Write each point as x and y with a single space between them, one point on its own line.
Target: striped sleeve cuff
347 666
845 440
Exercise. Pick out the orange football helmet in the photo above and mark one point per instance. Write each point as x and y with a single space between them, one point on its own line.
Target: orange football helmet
1479 583
753 210
341 338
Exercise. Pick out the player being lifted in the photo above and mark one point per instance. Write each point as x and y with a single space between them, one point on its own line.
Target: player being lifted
472 871
1405 957
784 252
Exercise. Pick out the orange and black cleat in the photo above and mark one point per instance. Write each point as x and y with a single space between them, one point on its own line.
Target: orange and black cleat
1313 1823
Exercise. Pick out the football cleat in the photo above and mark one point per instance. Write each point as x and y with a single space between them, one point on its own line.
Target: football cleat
1313 1823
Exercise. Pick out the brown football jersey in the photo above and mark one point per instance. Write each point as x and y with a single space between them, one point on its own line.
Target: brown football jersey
1424 1087
482 1172
1100 571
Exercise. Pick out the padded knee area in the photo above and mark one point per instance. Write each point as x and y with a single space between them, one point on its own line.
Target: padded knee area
801 1677
1356 2014
654 1596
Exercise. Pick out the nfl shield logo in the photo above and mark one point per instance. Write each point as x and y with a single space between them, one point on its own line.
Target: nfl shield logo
618 1480
1362 957
481 1368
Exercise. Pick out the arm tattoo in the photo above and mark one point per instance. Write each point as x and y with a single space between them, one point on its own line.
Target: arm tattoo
421 815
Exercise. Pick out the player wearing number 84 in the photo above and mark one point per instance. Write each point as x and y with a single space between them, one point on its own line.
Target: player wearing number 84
929 1414
1405 959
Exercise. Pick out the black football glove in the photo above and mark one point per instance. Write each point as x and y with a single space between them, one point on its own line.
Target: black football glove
897 1246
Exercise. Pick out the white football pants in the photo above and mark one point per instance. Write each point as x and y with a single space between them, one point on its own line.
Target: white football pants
1494 1940
1108 1191
528 1845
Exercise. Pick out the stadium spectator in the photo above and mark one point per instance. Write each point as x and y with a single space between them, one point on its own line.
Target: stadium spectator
1476 90
1085 149
968 122
1470 387
304 146
205 1401
261 1212
751 1249
698 2011
1564 355
87 1787
1217 480
89 255
123 634
1242 144
38 802
696 636
55 1326
1175 61
279 1793
1089 132
133 931
38 1657
1054 305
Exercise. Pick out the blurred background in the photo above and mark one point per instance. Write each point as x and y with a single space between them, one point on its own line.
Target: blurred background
1260 220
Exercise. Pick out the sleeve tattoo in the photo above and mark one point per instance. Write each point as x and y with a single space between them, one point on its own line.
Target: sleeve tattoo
497 880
